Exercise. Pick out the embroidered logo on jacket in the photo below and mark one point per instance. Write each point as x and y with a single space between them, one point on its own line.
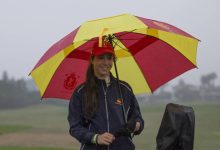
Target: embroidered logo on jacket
118 102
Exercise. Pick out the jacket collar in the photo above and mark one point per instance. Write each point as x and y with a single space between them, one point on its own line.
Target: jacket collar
100 81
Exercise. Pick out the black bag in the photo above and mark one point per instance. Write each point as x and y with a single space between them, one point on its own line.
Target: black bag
177 128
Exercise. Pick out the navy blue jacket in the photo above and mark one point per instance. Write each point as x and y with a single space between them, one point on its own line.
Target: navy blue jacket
109 116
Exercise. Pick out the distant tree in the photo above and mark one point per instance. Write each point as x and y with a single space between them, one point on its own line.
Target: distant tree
5 76
14 93
161 94
208 80
162 89
208 89
186 92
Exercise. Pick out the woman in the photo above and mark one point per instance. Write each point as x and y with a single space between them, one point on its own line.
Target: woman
95 110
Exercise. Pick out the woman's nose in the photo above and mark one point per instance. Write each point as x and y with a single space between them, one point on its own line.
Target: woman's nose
106 60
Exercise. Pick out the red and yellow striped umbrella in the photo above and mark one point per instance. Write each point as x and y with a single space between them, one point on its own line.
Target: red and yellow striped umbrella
149 54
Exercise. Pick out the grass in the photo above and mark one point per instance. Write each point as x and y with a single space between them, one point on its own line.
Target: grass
4 129
30 148
46 117
43 120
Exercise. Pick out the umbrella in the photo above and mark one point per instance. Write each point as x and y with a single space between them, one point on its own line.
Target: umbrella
149 54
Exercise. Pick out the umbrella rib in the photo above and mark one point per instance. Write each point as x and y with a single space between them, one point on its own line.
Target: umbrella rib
117 36
132 39
127 32
118 45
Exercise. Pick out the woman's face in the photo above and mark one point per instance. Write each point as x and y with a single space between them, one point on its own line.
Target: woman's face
102 65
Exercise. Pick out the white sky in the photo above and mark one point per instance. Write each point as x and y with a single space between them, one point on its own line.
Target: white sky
28 28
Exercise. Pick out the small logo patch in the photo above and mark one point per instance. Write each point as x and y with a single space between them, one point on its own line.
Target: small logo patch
118 102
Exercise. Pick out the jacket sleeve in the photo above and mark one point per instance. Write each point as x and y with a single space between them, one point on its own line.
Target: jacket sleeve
134 113
75 117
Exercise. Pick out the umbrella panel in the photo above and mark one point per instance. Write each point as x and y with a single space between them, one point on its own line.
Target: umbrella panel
158 61
57 47
70 73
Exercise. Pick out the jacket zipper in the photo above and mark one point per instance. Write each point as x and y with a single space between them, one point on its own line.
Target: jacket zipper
106 107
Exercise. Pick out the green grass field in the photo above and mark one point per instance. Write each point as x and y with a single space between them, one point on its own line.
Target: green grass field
30 148
45 127
4 129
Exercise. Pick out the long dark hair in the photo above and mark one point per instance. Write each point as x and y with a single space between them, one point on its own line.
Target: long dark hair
90 100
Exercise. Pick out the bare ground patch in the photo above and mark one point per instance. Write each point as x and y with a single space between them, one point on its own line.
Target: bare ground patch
60 140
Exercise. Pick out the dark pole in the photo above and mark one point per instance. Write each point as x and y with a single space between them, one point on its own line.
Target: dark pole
110 38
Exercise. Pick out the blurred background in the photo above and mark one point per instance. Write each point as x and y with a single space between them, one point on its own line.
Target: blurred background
29 28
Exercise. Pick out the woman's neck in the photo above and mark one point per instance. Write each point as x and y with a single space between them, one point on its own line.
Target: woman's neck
102 77
106 78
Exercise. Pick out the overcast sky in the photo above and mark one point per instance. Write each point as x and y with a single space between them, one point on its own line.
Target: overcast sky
29 27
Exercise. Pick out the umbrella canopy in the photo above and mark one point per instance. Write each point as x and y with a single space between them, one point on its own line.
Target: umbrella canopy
149 54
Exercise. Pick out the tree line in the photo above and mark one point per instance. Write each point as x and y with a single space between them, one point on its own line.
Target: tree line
19 93
182 91
14 93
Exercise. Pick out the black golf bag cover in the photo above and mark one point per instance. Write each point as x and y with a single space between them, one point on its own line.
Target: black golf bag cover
177 128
